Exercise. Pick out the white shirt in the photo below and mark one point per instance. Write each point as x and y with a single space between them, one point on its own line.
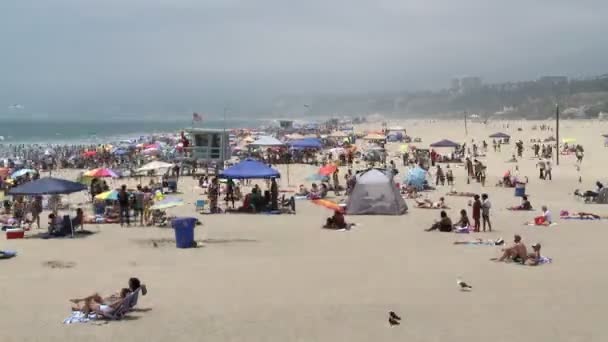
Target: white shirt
547 216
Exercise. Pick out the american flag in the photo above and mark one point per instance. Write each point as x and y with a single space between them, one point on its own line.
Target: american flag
197 117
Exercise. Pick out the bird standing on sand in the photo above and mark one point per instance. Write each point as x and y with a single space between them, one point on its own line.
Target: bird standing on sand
463 286
393 318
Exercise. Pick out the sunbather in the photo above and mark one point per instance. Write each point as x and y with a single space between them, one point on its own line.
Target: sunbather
517 252
544 220
534 258
443 225
460 193
525 204
337 221
463 222
496 242
427 203
104 305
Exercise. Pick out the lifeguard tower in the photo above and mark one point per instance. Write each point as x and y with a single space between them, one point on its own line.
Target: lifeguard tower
209 146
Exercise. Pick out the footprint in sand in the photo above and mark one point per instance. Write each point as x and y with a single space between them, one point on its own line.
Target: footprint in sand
59 264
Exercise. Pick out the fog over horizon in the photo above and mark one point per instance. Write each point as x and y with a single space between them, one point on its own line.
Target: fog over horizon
81 57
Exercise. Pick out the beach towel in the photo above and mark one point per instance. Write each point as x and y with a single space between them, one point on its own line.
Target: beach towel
463 230
435 208
582 218
7 254
300 197
80 317
534 224
477 243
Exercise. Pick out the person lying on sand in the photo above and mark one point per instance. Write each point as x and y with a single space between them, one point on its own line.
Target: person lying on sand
427 203
462 194
96 303
496 242
579 215
516 253
525 204
443 225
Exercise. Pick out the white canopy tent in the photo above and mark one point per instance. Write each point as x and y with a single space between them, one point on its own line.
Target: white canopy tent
266 140
155 165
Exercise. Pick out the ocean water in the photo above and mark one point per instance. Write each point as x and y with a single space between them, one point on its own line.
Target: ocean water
73 131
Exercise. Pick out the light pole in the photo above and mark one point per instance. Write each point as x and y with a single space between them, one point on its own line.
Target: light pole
557 133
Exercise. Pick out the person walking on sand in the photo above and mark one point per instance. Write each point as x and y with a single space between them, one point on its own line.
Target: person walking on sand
548 169
476 212
485 212
336 181
123 202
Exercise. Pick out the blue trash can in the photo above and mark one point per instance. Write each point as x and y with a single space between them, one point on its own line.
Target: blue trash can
520 189
184 231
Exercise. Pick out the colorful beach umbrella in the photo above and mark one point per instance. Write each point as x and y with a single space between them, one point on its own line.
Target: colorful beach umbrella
101 173
167 202
568 140
108 195
327 170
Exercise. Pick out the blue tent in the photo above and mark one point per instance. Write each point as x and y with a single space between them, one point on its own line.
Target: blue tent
445 143
306 143
416 178
47 186
250 169
500 135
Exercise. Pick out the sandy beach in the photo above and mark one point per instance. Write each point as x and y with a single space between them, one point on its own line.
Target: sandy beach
283 278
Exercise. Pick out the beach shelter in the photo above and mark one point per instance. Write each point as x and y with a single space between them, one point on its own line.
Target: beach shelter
416 177
155 165
306 143
374 136
338 134
167 202
47 186
500 135
107 195
445 143
266 141
375 194
568 140
250 169
327 170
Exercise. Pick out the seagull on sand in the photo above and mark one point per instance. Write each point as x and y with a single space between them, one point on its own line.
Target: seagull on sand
463 286
393 318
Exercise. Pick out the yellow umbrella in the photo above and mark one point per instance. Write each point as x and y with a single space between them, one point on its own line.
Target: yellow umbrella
404 148
568 140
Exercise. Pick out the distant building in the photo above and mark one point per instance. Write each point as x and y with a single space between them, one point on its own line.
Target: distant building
455 84
468 84
553 80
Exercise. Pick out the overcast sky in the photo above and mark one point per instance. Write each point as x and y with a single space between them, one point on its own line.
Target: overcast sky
64 55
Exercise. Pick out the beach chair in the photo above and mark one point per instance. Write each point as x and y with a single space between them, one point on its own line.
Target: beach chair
200 205
127 305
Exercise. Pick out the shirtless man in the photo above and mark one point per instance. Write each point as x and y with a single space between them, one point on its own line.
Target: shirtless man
517 252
